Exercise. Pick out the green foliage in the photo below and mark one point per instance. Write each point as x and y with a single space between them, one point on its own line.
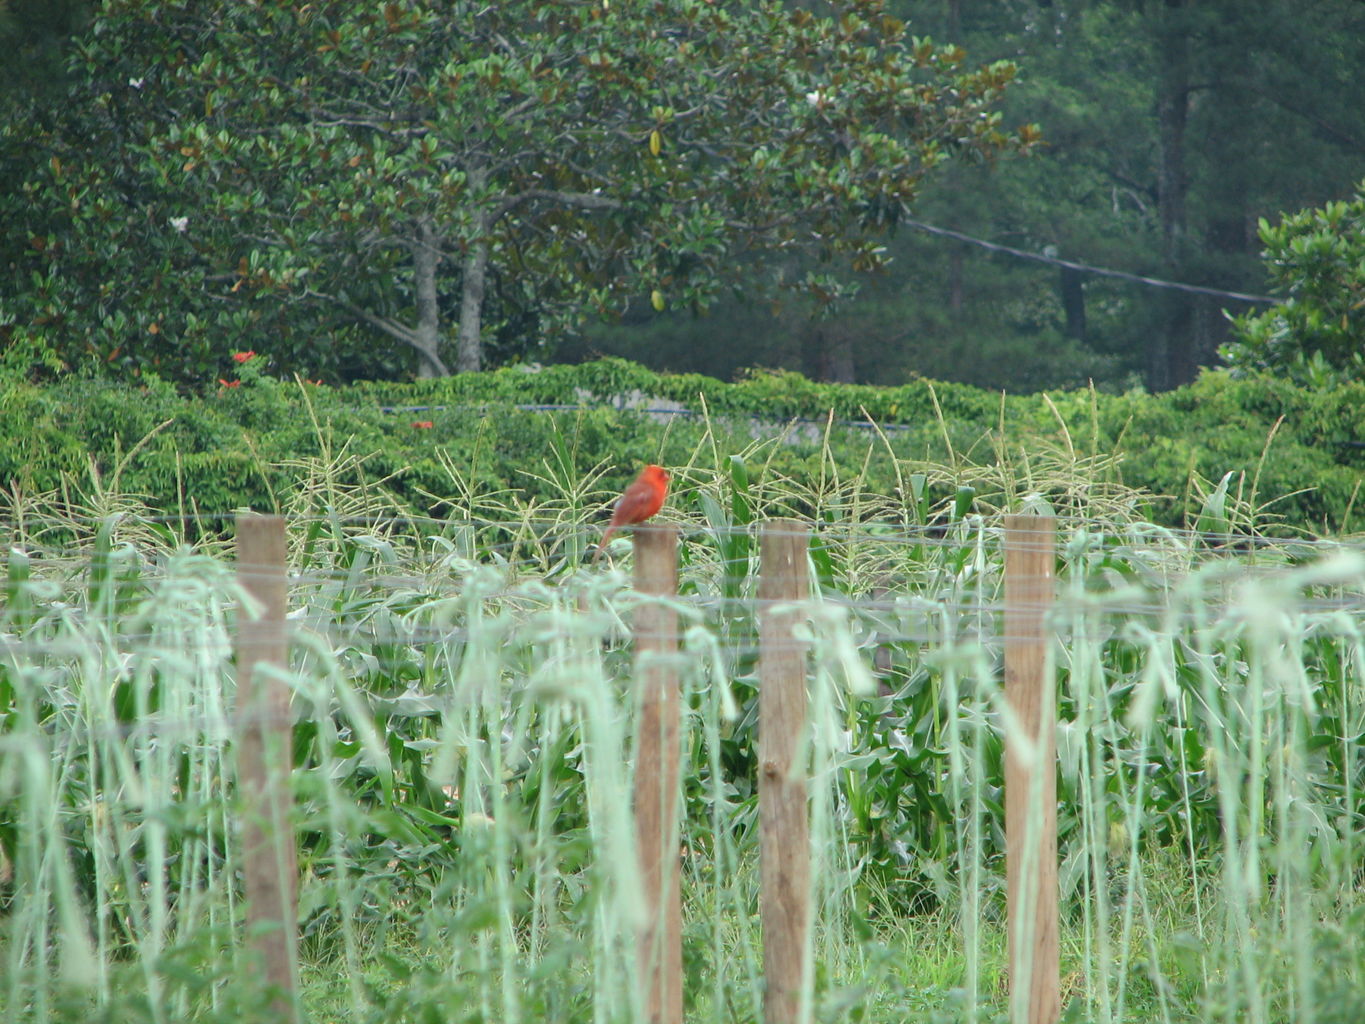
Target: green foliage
259 444
302 171
462 741
32 33
1317 335
1271 124
1294 454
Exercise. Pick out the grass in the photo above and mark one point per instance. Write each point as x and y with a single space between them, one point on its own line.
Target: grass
463 757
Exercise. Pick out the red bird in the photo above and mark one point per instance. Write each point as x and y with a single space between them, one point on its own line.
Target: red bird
641 500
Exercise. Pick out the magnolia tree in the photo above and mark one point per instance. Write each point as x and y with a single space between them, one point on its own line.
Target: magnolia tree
308 179
1317 334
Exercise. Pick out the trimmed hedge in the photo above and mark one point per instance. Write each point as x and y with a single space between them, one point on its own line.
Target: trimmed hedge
233 447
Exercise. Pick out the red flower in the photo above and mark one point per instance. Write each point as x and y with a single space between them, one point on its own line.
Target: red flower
229 383
423 424
242 357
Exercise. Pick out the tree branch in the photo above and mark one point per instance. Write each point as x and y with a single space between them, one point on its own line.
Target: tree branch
1332 131
581 200
386 324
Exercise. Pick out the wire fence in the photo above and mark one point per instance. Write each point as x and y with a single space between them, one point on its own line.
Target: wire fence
462 719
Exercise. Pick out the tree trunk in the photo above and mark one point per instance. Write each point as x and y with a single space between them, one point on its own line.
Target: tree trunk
426 256
1166 362
1230 237
1073 302
955 281
834 356
469 355
1173 104
473 274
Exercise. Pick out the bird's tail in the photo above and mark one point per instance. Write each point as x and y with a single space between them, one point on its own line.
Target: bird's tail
602 544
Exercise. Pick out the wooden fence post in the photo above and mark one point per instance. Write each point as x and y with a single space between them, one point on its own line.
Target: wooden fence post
264 759
1031 773
658 754
784 842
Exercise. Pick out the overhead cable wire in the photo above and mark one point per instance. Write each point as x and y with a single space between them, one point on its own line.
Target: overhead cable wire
1088 268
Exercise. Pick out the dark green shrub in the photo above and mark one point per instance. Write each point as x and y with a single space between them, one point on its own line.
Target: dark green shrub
1293 453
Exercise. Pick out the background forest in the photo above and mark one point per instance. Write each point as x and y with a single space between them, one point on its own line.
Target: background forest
431 279
1169 130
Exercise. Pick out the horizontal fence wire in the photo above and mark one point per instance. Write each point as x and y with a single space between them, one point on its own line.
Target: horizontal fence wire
895 615
885 532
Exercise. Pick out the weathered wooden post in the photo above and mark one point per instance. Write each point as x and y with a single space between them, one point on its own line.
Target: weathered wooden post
1031 773
657 764
264 759
784 842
